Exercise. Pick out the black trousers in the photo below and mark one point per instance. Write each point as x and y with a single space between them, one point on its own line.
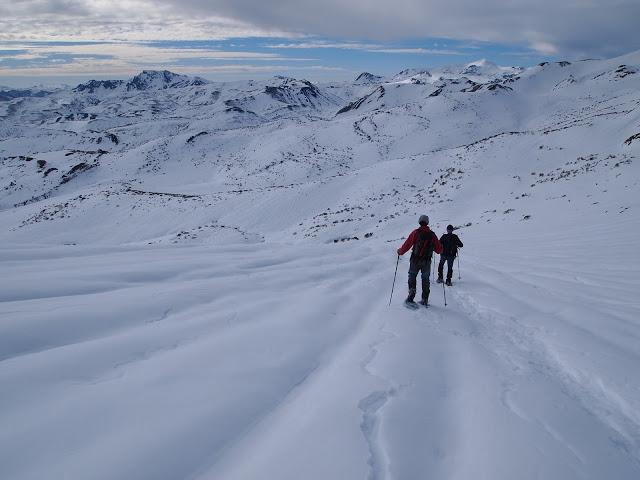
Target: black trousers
449 259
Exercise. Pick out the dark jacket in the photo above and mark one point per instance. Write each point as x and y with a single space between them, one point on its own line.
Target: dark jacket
411 240
450 243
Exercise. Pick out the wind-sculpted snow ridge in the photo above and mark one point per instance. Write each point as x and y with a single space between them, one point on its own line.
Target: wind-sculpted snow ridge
196 277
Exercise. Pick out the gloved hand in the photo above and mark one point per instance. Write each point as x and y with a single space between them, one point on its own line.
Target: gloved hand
398 252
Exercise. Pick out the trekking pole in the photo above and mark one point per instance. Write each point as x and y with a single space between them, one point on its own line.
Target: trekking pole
458 265
394 280
444 293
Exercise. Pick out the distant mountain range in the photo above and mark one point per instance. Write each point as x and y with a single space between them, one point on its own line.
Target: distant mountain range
173 153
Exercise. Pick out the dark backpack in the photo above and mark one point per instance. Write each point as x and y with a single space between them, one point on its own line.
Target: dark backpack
422 247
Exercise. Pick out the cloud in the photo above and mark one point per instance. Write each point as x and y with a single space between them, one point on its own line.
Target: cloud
418 51
108 59
120 37
574 27
73 73
125 20
150 53
324 44
26 8
366 47
544 47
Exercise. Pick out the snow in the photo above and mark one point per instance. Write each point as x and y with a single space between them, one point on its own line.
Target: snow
216 305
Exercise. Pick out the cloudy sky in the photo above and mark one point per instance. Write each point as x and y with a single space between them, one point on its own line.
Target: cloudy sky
55 41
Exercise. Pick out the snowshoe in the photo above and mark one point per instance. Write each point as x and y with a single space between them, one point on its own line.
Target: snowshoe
440 280
448 282
411 304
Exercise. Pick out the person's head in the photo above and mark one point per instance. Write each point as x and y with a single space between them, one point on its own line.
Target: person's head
450 228
423 220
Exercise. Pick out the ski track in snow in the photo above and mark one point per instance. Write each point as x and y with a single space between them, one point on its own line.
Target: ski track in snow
371 415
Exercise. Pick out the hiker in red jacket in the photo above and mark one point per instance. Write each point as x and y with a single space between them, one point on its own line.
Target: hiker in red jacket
423 242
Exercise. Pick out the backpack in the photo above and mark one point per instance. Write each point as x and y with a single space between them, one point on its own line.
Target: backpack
423 246
450 243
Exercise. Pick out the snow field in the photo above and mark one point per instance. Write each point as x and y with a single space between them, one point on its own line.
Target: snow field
209 362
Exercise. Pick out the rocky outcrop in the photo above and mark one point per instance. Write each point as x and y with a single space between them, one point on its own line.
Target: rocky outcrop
632 138
95 85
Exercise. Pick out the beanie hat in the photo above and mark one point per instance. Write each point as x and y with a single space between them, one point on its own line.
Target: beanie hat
450 227
424 219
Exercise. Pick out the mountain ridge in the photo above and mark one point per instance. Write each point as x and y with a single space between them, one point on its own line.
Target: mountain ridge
160 131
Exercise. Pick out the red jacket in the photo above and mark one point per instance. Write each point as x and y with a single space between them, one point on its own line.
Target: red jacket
408 244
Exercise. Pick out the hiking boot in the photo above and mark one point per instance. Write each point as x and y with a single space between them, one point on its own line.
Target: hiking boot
448 283
440 280
425 292
412 294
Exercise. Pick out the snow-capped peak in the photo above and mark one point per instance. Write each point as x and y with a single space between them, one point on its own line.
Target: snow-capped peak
481 67
366 77
155 79
411 73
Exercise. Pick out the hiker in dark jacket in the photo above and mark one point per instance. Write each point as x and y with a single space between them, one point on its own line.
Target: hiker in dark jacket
450 244
423 242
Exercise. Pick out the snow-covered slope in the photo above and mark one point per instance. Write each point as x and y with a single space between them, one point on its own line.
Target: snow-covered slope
196 276
174 144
